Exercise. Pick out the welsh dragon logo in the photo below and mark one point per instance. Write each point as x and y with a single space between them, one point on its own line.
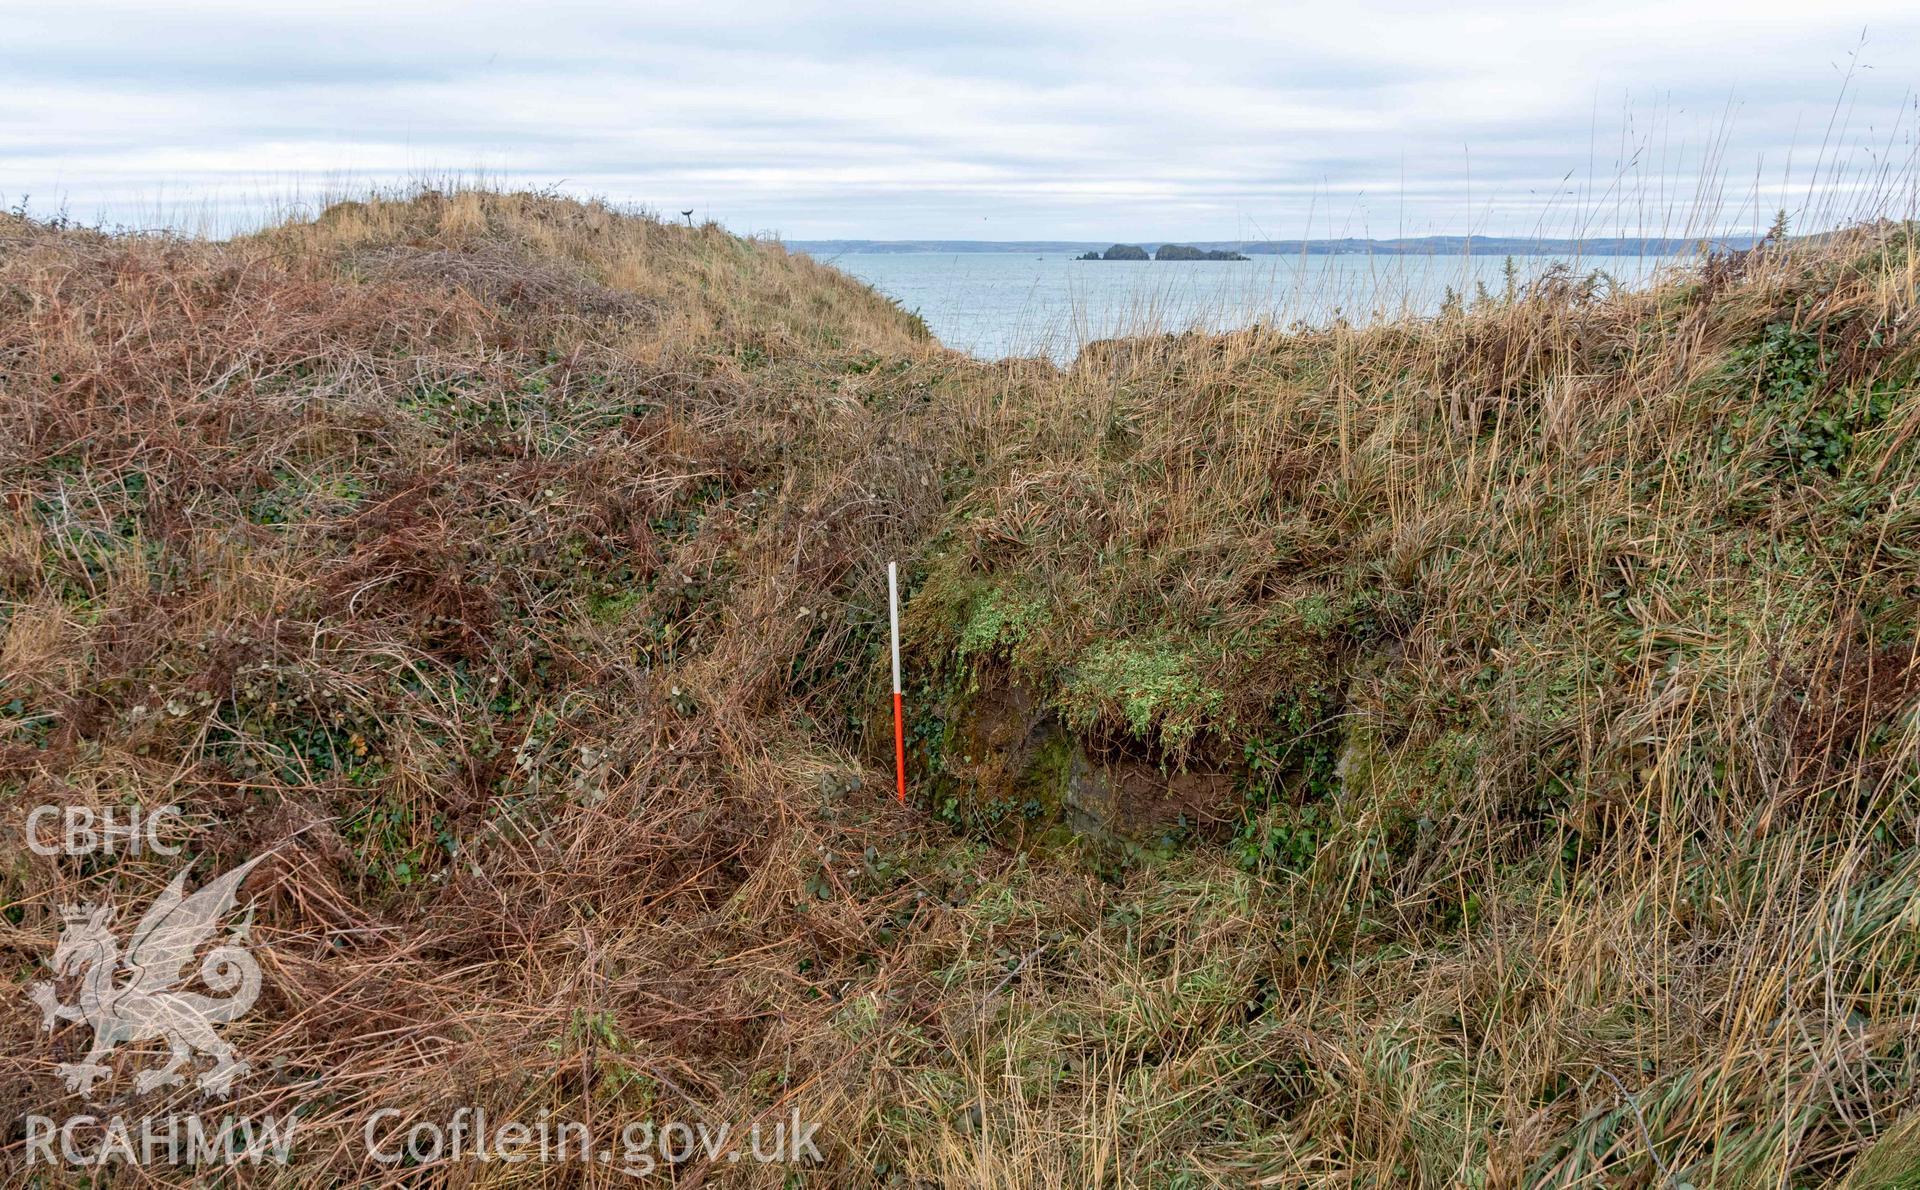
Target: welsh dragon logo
131 996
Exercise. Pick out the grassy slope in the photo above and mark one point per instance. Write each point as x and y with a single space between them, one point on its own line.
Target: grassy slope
530 557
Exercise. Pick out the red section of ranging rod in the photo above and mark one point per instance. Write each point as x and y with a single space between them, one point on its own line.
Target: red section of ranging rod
899 748
899 714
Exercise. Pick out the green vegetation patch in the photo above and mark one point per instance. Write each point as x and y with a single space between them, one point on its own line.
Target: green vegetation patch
1805 419
1153 688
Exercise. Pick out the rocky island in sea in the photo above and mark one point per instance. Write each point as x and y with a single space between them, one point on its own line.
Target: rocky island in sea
1164 252
1185 252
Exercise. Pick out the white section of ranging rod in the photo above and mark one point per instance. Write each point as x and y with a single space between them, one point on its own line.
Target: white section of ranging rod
893 615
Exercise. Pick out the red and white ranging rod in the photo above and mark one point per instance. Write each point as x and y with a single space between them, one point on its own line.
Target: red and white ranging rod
899 716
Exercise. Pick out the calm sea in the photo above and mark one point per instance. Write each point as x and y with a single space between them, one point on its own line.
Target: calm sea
996 304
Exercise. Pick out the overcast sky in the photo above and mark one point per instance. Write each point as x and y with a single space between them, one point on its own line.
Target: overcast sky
983 120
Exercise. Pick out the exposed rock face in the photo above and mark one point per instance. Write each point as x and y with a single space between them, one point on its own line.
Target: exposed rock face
1003 764
1125 252
1183 252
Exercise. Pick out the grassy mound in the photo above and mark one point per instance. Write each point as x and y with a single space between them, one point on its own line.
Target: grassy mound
1521 704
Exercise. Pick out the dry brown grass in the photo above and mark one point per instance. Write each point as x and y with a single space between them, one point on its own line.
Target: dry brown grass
511 568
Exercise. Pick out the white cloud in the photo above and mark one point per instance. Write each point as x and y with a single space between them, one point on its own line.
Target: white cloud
989 120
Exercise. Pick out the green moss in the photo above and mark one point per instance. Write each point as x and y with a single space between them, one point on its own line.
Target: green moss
1021 811
998 623
1152 688
1046 779
612 608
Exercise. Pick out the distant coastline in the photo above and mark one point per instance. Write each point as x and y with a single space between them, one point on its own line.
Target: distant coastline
1419 246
